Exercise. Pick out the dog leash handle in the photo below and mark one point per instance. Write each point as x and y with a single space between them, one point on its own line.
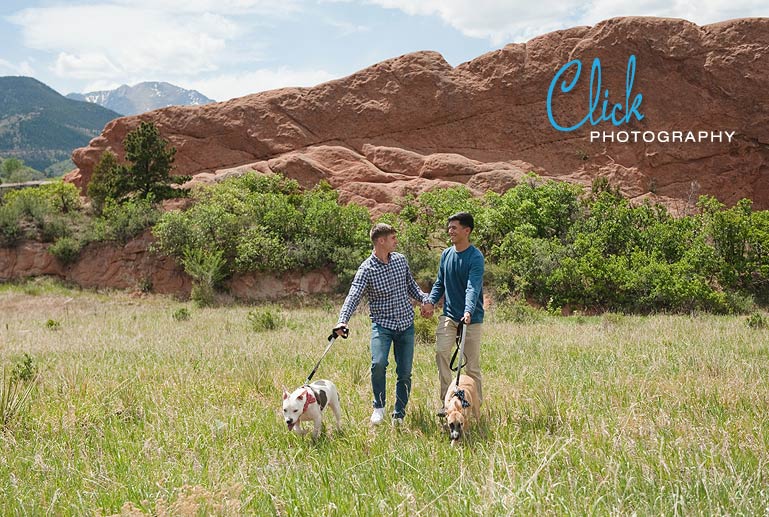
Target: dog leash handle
333 335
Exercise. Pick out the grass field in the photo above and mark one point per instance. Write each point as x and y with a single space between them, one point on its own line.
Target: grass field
135 412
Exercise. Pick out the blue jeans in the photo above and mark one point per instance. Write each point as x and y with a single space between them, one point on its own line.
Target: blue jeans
403 348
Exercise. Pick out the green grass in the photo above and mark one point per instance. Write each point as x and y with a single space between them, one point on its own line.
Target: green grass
135 411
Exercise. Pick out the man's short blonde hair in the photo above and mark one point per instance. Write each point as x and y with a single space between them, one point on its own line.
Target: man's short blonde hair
381 230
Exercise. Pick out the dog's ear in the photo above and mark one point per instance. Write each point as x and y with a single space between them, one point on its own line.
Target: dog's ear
300 397
285 393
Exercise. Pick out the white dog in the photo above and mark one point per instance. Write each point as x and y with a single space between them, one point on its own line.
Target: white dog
307 403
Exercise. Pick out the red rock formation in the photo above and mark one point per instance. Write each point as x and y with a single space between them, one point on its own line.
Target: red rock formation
413 122
132 266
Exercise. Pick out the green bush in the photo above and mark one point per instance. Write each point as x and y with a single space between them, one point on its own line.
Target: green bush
266 223
10 229
556 245
207 269
56 226
122 222
204 266
15 394
266 318
58 196
106 181
25 370
181 314
204 295
45 213
757 321
66 249
517 311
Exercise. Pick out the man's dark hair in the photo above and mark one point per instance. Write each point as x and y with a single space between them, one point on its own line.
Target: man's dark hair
381 230
463 218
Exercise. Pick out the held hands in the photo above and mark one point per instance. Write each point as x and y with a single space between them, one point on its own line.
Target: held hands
426 310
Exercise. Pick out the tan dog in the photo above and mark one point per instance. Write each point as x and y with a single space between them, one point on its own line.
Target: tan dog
456 414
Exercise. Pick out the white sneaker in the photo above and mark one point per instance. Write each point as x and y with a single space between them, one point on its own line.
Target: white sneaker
377 416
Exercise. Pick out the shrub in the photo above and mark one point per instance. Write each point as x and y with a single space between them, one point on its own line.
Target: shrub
29 203
54 227
15 392
516 311
181 314
10 229
25 370
266 223
66 249
207 269
106 182
35 202
203 295
266 318
757 321
46 212
144 285
122 222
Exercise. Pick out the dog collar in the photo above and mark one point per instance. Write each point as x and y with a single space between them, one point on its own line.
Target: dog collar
309 399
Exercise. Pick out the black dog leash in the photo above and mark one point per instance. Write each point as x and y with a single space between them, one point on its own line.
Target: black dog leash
460 352
459 341
331 339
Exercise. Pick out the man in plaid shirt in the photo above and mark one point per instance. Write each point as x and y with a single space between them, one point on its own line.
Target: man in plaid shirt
386 279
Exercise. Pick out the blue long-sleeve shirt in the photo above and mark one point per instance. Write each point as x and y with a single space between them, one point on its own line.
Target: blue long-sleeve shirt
388 286
460 281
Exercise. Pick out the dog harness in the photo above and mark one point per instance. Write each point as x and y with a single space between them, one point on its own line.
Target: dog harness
460 394
313 397
310 399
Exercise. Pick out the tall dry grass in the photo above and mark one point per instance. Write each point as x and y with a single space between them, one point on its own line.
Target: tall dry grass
136 411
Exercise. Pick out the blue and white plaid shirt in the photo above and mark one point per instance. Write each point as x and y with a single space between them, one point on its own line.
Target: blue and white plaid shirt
388 287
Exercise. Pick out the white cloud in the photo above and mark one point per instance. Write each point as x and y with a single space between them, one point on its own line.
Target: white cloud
116 41
229 7
84 66
23 68
503 21
344 28
228 86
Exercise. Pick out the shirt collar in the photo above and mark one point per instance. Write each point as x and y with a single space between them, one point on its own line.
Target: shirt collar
376 259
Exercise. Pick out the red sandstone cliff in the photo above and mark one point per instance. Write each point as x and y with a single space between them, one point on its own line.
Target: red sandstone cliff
133 266
412 122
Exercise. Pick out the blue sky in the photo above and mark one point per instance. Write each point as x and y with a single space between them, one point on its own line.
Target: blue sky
229 48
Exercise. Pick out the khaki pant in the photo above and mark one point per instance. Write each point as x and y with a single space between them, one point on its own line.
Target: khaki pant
444 349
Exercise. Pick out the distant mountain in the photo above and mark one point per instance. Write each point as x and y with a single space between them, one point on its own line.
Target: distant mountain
147 96
42 127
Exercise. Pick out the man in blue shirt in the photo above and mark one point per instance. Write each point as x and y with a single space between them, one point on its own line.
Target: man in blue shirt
387 280
460 283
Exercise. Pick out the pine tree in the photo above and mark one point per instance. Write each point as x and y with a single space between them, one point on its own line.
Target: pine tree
151 160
